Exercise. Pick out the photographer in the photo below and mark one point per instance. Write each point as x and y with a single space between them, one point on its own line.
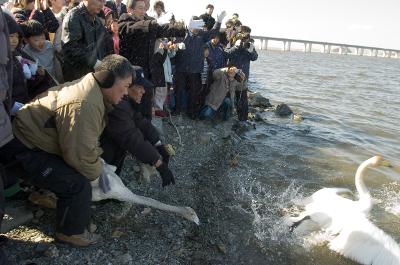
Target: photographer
240 55
225 82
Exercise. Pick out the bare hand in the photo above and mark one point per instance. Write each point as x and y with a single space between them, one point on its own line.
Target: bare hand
41 71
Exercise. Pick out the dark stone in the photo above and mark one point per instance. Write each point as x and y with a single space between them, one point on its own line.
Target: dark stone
257 100
283 110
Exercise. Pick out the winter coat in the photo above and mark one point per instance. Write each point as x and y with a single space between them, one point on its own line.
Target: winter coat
138 37
83 42
191 59
157 67
241 58
5 81
47 59
217 55
208 20
130 131
67 121
45 17
220 88
111 4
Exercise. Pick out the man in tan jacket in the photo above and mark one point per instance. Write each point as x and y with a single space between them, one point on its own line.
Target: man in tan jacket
60 131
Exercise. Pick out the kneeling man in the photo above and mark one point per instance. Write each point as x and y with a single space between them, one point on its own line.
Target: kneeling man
57 135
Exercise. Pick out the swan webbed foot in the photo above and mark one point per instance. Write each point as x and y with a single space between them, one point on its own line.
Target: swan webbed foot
297 223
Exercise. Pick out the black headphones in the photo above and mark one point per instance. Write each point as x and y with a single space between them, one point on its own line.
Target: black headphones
105 78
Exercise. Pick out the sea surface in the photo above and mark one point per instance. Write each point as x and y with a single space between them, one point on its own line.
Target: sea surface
351 109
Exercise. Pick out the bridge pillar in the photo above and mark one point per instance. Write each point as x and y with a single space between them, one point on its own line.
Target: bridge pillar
328 49
307 47
389 54
264 44
287 45
375 52
360 51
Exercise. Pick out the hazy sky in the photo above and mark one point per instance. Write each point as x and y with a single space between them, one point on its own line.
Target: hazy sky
361 22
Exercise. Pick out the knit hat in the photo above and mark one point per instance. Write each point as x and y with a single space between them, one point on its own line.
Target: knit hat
13 26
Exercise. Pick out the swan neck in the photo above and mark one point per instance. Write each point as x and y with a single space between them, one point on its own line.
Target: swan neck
359 181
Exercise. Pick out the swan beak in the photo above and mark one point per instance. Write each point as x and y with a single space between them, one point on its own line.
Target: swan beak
196 220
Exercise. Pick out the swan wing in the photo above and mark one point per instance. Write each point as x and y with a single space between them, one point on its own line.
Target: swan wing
362 241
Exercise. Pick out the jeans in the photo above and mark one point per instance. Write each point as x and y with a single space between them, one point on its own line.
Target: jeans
226 108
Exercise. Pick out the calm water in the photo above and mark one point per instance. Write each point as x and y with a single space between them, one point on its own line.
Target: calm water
351 110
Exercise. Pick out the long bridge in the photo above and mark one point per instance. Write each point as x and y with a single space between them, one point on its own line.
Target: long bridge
329 47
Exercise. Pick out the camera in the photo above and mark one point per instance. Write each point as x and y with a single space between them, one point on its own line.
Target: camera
238 76
164 41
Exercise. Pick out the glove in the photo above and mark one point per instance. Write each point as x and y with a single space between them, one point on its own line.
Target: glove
27 71
164 153
166 175
251 48
181 46
221 16
238 42
104 183
33 68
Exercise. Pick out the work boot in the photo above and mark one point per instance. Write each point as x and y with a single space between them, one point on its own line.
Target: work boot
83 240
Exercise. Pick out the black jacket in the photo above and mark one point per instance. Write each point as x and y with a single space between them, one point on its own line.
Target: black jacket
128 130
208 20
111 4
83 42
138 37
157 68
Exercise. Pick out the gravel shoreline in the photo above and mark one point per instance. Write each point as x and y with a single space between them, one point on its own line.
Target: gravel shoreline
139 235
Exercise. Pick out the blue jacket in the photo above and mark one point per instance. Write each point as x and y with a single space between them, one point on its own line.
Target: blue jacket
241 58
191 60
217 56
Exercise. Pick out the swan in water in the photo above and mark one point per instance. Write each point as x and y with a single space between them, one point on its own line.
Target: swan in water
350 232
118 191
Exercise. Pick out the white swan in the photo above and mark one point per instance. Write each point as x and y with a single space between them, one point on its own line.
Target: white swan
120 192
351 233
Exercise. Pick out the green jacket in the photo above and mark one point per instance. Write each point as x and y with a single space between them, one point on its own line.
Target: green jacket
67 120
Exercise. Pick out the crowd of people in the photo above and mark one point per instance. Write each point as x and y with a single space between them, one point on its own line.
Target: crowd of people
81 81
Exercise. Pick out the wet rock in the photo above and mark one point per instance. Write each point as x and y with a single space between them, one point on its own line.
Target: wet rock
124 259
52 252
16 215
222 248
41 248
283 110
257 100
261 136
205 139
258 117
297 117
146 211
92 228
117 234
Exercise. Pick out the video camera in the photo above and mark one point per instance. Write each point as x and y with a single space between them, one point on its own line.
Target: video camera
238 76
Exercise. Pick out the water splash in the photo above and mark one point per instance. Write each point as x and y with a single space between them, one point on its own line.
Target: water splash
389 196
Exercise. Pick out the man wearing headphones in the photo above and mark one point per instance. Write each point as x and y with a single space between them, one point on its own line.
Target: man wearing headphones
57 142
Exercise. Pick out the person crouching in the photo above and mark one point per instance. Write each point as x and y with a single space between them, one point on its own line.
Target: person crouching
57 143
129 131
221 97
